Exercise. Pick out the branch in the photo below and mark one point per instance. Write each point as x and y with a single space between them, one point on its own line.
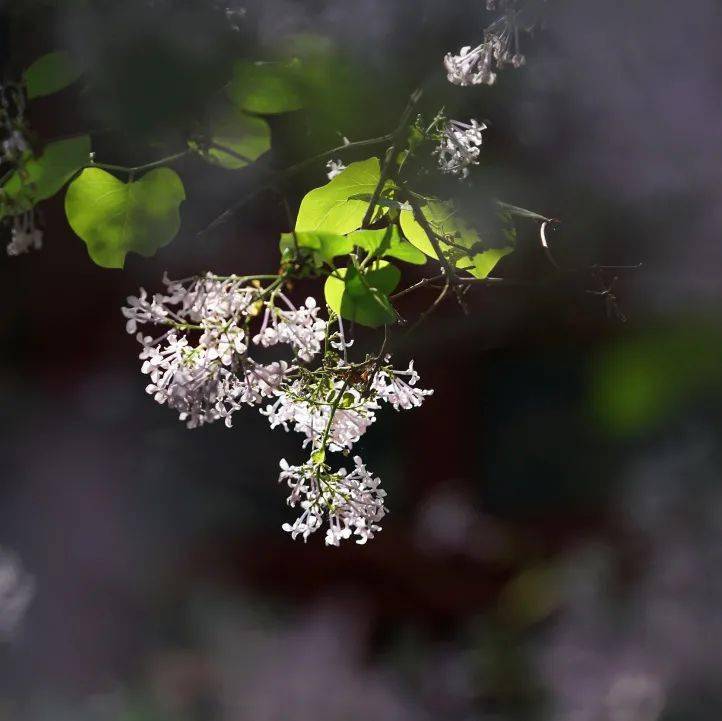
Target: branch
399 138
138 168
272 178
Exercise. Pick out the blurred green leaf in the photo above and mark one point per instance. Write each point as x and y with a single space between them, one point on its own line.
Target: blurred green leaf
244 135
331 208
531 596
641 383
114 218
266 88
44 176
363 297
51 73
521 212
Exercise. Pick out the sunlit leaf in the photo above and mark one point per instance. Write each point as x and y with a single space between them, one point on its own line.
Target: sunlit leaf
51 73
114 218
265 87
323 247
387 243
363 297
455 236
46 175
332 208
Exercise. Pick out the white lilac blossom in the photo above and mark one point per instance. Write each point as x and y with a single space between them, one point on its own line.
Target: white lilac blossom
14 146
352 503
471 66
200 365
476 66
391 387
16 592
459 147
24 236
297 407
335 414
335 167
299 327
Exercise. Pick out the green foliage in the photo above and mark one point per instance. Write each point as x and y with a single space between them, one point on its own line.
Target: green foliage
243 134
114 218
643 382
387 243
265 88
338 207
509 209
51 73
45 175
362 297
321 247
457 238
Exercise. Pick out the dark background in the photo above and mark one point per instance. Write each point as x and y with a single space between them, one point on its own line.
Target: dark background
553 549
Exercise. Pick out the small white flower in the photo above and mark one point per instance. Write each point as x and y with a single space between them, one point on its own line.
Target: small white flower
300 328
475 66
335 167
14 146
471 66
460 147
401 394
24 236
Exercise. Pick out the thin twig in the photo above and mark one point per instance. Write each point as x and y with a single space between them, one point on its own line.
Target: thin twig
272 178
387 170
138 168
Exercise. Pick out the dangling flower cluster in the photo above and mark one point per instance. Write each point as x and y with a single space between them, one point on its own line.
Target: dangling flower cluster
352 502
333 407
459 147
475 66
14 147
201 367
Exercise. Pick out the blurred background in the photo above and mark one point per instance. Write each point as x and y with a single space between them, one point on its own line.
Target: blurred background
554 545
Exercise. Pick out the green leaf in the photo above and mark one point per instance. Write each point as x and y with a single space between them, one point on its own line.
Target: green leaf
521 212
51 73
332 208
240 133
363 297
323 247
44 176
115 218
266 88
455 236
387 243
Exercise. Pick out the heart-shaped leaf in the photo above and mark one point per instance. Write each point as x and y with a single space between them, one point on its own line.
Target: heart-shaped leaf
332 208
114 218
363 297
387 243
237 139
265 88
455 236
45 175
324 247
51 73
